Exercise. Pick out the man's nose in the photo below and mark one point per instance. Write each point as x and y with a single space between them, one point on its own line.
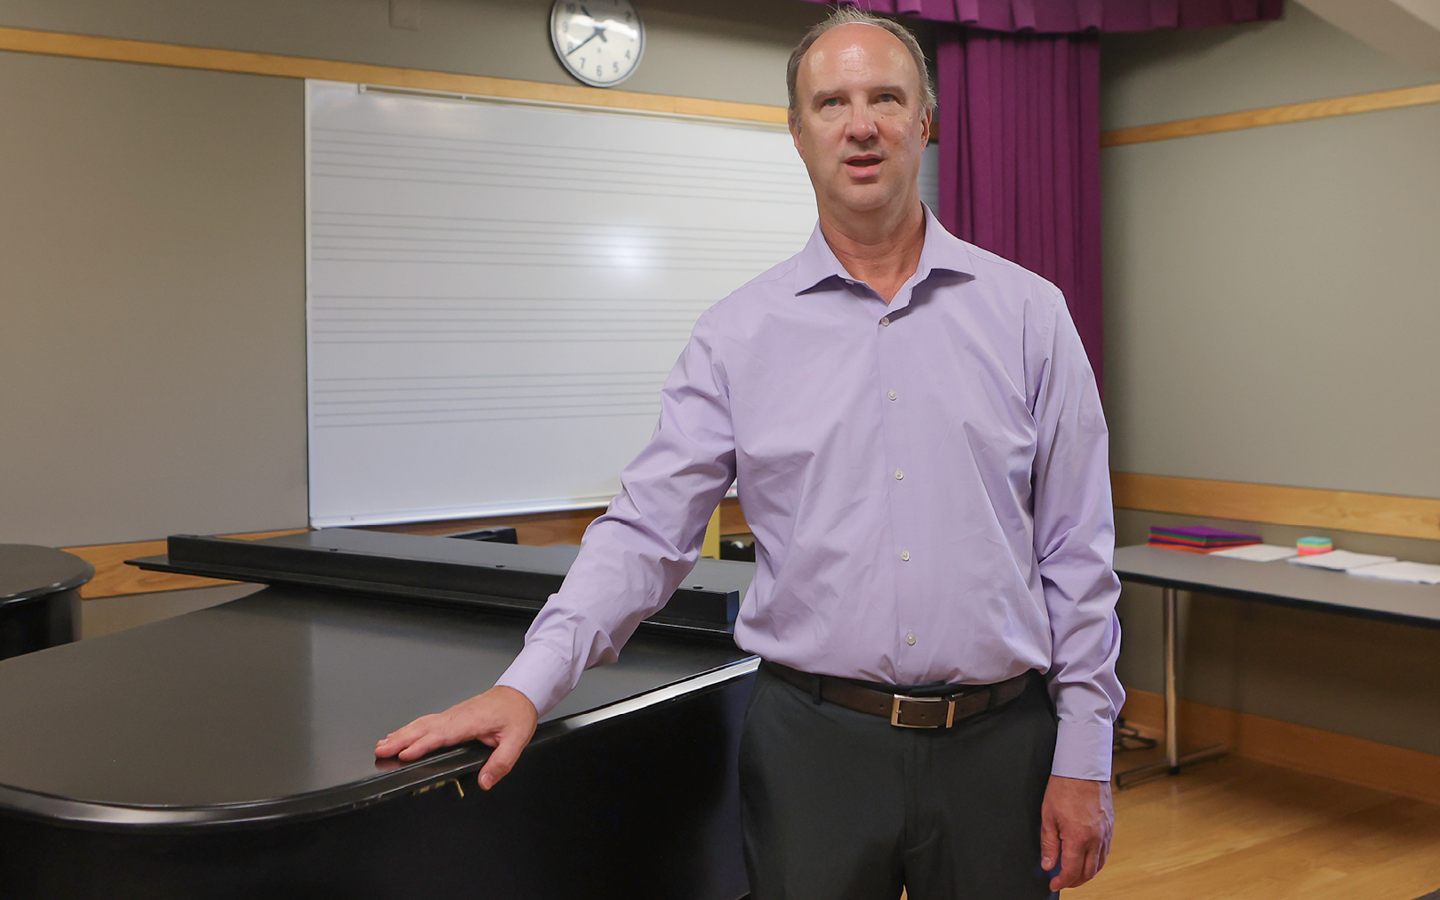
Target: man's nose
861 126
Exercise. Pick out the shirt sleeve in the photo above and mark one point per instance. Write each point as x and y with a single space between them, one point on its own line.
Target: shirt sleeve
1075 546
634 556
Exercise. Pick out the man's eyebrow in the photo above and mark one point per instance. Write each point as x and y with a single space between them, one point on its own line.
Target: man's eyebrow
881 89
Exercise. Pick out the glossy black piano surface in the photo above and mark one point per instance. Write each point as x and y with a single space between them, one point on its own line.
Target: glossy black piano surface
229 753
437 570
39 597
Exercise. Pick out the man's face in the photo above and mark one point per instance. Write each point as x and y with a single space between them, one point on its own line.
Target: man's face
861 123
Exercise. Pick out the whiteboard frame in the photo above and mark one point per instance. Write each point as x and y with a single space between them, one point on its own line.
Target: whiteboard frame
466 512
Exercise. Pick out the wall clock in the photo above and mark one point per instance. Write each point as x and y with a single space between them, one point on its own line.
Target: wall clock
598 41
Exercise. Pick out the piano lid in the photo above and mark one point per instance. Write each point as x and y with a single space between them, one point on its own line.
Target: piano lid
268 707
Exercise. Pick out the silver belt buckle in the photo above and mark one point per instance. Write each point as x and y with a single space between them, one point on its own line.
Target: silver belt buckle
899 698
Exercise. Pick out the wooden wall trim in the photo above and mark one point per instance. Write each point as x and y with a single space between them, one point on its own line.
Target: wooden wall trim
544 529
1267 503
1342 757
564 526
1274 115
1415 517
113 578
54 43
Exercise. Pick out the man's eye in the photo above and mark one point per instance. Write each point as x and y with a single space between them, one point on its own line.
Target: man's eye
832 101
888 98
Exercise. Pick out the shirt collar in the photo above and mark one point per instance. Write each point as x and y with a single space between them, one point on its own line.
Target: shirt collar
942 251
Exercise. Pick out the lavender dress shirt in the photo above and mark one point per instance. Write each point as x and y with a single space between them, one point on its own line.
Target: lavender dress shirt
927 482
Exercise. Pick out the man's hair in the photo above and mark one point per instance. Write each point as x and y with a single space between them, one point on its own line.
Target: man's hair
850 15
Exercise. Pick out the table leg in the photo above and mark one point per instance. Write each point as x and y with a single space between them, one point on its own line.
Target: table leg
1173 761
1171 626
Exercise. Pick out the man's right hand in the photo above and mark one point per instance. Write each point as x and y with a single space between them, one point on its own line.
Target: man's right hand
502 718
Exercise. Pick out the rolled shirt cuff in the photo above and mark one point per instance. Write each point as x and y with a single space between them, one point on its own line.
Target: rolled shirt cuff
1083 751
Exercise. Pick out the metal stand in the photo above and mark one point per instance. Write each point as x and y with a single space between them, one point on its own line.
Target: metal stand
1173 762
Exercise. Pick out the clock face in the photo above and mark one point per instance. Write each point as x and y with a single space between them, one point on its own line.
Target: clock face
599 41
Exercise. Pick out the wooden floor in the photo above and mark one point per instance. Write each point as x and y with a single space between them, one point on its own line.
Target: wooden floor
1239 829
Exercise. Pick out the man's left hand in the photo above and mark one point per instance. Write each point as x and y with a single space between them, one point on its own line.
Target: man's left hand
1077 819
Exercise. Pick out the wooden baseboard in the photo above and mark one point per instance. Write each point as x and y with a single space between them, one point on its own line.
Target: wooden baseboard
1415 517
544 529
1397 770
533 529
113 578
1275 504
1343 510
1267 503
732 520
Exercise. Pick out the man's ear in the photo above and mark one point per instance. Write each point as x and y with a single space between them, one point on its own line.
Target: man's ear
795 135
925 119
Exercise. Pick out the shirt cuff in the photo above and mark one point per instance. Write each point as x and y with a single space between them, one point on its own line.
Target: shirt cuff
1083 751
540 674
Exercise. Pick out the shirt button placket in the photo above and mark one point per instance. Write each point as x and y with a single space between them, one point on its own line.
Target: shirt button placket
894 395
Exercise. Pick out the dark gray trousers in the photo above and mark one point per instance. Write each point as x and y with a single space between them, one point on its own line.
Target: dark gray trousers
840 805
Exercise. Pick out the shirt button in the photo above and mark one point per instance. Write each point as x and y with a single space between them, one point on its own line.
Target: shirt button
885 321
893 396
905 555
910 638
899 475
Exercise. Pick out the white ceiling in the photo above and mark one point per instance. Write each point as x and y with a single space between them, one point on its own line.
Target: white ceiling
1406 30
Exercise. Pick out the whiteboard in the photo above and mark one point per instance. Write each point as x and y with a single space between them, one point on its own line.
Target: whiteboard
497 291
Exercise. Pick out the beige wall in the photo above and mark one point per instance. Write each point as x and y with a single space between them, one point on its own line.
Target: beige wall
153 346
1272 302
1271 294
1273 297
734 50
1162 76
152 241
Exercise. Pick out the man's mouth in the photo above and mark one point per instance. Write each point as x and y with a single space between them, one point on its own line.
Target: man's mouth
863 163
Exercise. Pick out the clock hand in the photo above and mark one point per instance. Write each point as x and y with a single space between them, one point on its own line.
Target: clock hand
582 43
595 23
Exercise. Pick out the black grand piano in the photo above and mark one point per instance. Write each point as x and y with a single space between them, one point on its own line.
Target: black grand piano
229 752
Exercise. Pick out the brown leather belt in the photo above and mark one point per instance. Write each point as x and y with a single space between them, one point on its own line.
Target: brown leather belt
904 710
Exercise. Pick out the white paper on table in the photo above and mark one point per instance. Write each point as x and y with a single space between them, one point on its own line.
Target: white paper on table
1258 552
1415 573
1341 560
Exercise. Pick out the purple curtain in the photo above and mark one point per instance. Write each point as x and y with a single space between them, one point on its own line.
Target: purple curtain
1019 123
1020 158
1072 16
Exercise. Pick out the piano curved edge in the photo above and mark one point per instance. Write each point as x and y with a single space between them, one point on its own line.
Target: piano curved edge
451 765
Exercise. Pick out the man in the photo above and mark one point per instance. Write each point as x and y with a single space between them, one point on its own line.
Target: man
921 454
